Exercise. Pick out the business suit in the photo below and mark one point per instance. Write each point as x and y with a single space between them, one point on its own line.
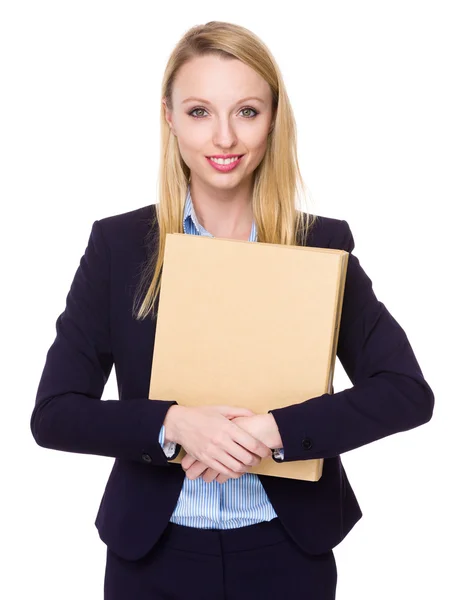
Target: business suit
97 330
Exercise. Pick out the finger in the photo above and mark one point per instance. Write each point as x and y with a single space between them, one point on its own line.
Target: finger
243 458
235 458
209 475
219 453
196 470
222 478
219 463
187 461
228 456
241 451
250 443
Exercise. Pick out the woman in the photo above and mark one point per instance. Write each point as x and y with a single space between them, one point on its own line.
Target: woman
211 529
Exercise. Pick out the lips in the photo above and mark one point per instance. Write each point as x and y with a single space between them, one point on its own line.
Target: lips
225 168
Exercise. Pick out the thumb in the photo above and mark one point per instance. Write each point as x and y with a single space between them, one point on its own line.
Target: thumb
230 412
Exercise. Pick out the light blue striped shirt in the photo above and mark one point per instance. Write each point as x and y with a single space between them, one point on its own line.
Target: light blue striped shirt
237 502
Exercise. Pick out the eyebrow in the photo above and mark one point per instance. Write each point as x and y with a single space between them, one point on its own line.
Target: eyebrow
207 101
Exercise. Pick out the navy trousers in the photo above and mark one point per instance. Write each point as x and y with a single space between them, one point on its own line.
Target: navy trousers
257 561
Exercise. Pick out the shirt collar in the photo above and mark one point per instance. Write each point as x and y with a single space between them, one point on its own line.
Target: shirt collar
190 214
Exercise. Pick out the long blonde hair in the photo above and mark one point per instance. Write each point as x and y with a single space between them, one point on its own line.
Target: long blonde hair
277 179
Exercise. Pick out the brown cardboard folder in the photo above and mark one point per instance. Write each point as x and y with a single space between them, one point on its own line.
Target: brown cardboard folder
247 324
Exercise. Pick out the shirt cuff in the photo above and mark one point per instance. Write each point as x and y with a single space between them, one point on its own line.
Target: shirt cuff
168 447
278 453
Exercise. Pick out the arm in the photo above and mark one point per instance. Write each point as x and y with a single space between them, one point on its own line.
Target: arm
69 414
389 392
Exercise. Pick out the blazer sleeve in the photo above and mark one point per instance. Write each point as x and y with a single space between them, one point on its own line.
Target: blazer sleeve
389 392
69 414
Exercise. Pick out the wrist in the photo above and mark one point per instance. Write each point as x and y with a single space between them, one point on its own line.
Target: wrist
170 424
274 430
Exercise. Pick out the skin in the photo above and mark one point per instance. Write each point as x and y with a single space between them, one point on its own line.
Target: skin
222 124
263 427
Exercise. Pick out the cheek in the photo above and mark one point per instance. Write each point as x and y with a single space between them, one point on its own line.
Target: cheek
258 150
188 150
259 142
192 142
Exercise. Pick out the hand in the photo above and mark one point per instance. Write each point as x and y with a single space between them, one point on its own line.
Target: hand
263 427
209 436
196 468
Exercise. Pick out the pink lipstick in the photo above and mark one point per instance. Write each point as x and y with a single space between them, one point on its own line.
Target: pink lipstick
225 168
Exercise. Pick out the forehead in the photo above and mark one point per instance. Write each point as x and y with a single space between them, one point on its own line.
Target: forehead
216 78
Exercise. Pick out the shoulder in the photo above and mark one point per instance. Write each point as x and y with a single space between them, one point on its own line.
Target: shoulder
131 228
328 232
130 221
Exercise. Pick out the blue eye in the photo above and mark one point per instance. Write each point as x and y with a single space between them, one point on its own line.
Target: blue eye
203 109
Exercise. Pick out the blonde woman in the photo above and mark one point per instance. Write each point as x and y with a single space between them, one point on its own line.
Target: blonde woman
210 529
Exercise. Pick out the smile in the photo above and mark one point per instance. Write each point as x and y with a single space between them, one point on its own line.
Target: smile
224 165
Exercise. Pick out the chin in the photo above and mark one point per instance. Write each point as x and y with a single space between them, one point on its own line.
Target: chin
227 184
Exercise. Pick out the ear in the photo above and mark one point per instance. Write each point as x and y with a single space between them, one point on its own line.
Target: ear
168 116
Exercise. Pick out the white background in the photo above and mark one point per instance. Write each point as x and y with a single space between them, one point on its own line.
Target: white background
374 87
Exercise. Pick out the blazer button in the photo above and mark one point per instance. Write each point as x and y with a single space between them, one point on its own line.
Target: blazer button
146 458
307 444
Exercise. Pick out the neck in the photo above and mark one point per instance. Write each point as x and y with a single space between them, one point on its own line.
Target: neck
223 213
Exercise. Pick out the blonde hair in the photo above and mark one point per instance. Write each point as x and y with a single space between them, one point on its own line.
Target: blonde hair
277 179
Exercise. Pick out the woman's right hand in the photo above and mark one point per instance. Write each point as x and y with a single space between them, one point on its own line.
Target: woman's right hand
208 435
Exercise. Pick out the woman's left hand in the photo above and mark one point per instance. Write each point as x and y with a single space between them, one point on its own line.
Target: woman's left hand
263 427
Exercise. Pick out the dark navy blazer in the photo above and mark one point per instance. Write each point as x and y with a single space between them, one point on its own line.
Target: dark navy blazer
97 330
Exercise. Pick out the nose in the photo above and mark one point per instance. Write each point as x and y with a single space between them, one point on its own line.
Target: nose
224 135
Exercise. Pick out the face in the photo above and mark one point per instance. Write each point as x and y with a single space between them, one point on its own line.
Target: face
230 114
